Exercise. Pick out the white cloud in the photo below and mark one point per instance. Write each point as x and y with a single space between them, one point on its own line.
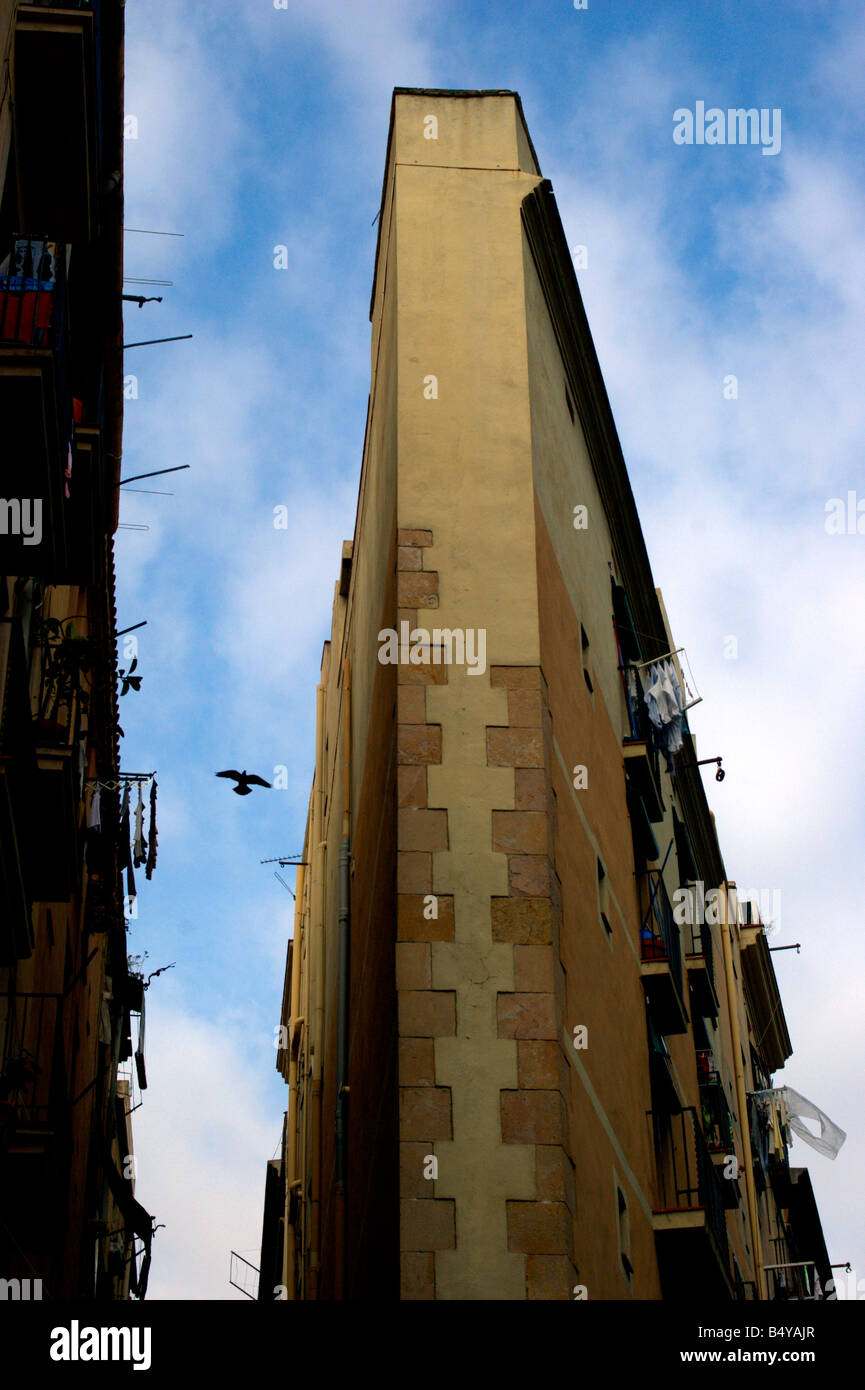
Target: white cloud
209 1123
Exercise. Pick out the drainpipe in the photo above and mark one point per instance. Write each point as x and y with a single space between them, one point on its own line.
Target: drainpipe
342 994
290 1237
741 1098
317 941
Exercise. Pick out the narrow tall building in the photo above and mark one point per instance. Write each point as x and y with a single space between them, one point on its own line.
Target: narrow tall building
528 1029
70 1001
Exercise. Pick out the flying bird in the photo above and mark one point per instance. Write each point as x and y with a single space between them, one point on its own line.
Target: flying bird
245 781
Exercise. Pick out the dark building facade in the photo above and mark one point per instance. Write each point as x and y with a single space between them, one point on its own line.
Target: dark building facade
70 1006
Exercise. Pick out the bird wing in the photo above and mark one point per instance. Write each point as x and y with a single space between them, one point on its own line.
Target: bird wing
229 773
259 781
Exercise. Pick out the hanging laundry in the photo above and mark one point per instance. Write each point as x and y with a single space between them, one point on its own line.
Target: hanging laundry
94 818
830 1138
777 1148
673 677
140 844
664 702
125 836
151 854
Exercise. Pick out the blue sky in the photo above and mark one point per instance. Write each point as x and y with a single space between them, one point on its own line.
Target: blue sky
260 128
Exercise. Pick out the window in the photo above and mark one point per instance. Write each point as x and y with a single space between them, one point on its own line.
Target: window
604 899
584 643
623 1224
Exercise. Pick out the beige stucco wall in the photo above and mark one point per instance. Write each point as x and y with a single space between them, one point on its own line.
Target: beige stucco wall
465 473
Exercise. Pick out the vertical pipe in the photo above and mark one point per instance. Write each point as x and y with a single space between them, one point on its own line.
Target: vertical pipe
289 1248
342 993
739 1075
317 938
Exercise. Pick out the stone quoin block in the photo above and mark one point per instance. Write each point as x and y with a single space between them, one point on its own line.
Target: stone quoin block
533 969
419 743
538 1228
416 1062
516 677
537 1065
527 920
425 1114
409 557
422 829
417 1278
526 1016
413 873
411 704
412 925
417 589
550 1278
427 1013
427 1224
409 537
530 787
413 968
519 832
411 785
524 709
531 1117
530 875
514 747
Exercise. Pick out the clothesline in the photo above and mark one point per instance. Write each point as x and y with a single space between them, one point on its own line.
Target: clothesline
119 780
654 660
136 849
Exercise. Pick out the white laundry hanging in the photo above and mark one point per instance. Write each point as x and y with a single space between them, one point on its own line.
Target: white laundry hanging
830 1138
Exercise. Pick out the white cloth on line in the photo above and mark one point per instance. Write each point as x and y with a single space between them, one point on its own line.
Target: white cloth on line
830 1138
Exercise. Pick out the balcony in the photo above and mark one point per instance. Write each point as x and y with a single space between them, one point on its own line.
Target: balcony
56 119
762 997
642 768
35 406
700 965
87 523
717 1123
689 1219
32 1073
758 1127
661 957
16 767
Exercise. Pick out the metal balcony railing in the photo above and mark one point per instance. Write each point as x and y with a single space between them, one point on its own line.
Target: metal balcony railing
33 312
639 724
30 1044
701 945
687 1178
758 1125
659 936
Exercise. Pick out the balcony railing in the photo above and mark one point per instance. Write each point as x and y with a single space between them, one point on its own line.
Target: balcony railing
639 724
701 945
687 1178
659 936
36 401
758 1125
30 1045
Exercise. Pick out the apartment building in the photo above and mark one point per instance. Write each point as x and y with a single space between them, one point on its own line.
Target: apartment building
70 1007
529 1031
